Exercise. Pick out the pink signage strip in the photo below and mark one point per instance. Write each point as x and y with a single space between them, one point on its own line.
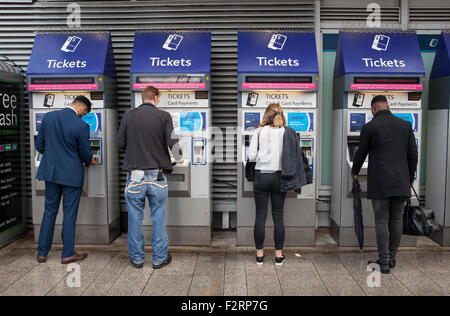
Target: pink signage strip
50 87
386 86
278 86
170 85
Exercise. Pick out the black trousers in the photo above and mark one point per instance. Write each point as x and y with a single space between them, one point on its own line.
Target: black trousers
388 226
265 185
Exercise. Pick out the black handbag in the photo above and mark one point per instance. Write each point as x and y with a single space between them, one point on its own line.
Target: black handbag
250 166
418 221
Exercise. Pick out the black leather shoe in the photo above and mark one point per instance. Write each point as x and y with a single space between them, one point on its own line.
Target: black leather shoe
137 266
391 263
164 263
260 260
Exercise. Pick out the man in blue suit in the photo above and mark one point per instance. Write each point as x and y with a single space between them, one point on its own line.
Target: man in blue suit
63 140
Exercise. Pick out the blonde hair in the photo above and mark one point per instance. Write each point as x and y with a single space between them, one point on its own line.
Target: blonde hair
273 116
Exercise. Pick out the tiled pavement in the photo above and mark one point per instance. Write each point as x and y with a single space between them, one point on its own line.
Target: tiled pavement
223 269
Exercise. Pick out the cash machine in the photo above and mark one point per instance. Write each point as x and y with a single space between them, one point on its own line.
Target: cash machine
63 66
12 143
278 67
438 152
178 64
370 64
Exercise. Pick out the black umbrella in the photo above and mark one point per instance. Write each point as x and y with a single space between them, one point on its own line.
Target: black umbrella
357 209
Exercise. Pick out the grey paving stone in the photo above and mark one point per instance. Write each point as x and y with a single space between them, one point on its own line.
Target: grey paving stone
442 279
206 285
38 282
341 284
235 282
235 261
302 284
71 289
106 279
167 285
132 281
389 286
182 264
419 283
210 264
328 263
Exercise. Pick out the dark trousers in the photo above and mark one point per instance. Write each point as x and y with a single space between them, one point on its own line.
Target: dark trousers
71 200
388 226
266 184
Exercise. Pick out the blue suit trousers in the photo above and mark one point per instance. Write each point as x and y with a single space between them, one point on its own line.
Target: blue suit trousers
71 200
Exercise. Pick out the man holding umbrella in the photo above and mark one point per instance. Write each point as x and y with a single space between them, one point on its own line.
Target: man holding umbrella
393 159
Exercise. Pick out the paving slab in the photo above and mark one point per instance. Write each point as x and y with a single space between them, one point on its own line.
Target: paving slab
132 281
104 281
167 285
207 285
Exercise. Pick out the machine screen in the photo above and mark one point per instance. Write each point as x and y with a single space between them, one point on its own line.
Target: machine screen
86 80
257 79
170 79
386 80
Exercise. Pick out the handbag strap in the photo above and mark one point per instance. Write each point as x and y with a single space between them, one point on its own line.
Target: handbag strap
417 196
422 213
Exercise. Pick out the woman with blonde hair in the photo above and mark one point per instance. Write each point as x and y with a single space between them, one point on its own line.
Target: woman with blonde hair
266 149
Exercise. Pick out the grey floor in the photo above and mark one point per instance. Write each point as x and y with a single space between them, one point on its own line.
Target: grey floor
224 269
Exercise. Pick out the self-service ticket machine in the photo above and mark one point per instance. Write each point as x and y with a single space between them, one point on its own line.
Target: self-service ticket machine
63 66
369 64
278 68
12 143
178 64
438 152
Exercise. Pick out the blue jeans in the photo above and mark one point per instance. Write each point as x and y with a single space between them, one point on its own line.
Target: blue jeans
157 194
71 199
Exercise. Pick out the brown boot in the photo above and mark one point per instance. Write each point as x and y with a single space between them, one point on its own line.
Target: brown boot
41 259
76 257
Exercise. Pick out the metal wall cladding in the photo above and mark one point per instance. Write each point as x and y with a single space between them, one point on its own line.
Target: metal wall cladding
20 22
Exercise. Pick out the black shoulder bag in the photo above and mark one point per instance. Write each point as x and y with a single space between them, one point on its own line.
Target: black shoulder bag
417 220
250 165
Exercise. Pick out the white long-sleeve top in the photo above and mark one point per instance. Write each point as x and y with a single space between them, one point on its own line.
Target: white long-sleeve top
268 158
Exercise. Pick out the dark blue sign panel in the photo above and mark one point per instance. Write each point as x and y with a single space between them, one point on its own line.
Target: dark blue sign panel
175 52
277 52
72 54
441 65
378 53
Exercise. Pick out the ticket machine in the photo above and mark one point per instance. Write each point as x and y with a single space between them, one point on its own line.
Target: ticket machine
63 66
12 143
278 68
178 64
369 64
438 152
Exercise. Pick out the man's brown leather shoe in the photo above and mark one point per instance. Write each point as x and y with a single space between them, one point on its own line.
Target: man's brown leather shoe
41 259
76 257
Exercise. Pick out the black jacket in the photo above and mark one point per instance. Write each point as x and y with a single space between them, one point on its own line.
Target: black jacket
393 156
292 169
145 134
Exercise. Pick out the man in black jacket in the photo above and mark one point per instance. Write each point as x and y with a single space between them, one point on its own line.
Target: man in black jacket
393 158
146 135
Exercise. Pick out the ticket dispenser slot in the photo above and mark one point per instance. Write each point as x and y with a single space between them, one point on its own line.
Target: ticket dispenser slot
198 151
96 148
353 145
179 179
248 186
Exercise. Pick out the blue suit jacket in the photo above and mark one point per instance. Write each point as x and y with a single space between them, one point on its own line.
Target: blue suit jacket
63 139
